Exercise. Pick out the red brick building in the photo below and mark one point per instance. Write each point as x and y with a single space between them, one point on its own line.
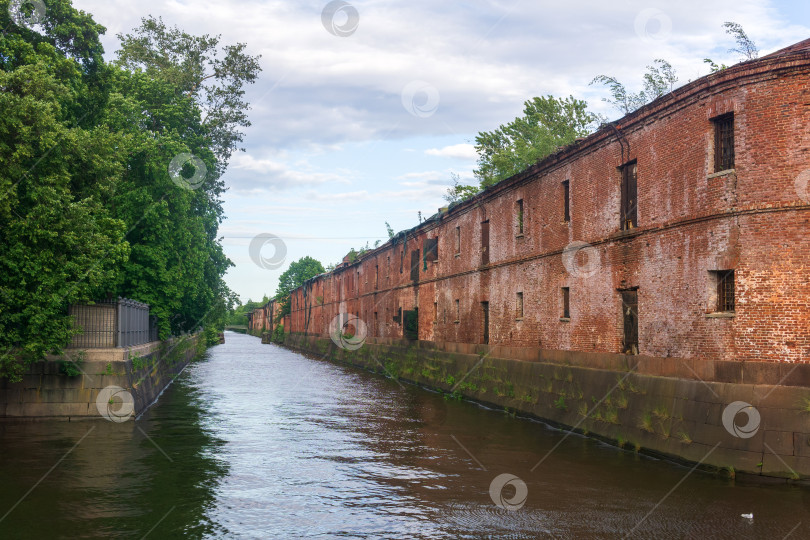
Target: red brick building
679 231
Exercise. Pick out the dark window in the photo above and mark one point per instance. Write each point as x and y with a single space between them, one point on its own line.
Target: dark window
377 276
724 142
485 243
432 249
410 328
415 265
458 311
519 306
566 201
458 239
485 308
401 260
566 298
630 322
519 216
725 290
629 196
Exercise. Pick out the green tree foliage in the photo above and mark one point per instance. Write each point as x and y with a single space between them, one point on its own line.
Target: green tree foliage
459 192
88 209
745 46
296 275
191 94
238 315
196 66
58 241
299 272
548 124
714 67
660 79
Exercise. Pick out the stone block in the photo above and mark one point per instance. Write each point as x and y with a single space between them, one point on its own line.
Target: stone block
59 395
784 419
11 396
795 374
780 442
761 373
728 372
31 381
793 467
780 397
801 444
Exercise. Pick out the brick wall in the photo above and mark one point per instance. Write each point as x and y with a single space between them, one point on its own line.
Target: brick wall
690 222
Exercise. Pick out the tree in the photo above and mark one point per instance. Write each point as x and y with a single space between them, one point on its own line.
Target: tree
195 66
237 314
389 230
548 124
59 243
88 208
713 66
745 46
296 275
659 80
459 192
187 93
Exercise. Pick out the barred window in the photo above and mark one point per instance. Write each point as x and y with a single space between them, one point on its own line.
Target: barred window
566 200
566 301
724 142
725 290
519 306
519 216
629 196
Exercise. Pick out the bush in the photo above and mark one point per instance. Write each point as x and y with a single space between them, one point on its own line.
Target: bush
278 334
211 336
72 367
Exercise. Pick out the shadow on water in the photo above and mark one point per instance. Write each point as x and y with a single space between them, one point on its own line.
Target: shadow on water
124 480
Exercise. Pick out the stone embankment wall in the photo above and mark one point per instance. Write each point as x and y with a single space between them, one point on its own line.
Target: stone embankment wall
619 398
142 372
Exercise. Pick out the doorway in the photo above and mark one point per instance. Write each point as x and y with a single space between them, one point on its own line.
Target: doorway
630 316
485 308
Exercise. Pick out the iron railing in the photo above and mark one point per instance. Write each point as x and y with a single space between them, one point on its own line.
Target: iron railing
112 324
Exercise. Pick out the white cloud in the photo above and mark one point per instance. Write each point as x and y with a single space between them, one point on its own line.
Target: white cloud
424 176
260 174
354 196
484 59
459 151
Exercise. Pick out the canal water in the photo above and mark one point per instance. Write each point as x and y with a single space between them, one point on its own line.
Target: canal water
254 441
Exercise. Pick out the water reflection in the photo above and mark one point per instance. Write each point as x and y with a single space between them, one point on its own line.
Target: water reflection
119 481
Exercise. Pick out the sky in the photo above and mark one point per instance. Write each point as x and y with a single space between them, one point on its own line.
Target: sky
365 109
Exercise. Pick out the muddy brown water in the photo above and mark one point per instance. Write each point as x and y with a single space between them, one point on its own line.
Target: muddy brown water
255 441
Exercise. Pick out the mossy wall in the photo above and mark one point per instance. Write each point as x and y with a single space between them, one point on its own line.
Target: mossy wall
678 418
46 391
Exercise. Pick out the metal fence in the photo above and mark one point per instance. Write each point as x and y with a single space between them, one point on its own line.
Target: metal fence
113 323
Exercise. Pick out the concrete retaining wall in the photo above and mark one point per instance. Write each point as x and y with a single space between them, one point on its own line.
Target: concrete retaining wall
143 371
679 418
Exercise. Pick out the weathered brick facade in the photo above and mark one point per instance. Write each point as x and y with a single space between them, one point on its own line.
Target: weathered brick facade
691 223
